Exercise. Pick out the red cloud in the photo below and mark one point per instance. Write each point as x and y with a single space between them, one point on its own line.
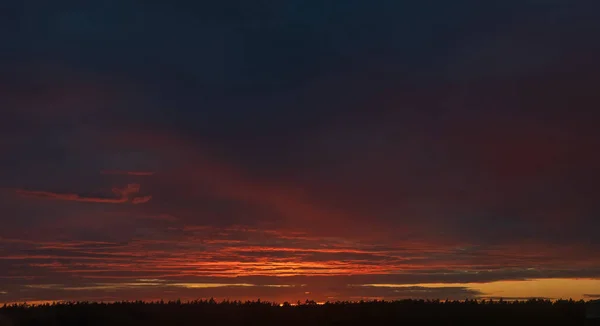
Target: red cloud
71 197
227 180
131 188
123 196
141 200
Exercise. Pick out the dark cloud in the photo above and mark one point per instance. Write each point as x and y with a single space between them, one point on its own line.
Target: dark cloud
123 196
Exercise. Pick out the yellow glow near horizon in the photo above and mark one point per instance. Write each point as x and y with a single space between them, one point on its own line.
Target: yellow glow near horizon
552 288
208 285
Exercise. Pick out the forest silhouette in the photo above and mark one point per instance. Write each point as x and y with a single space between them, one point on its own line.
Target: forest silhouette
211 312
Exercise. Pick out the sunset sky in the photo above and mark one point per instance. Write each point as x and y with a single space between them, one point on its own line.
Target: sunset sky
292 150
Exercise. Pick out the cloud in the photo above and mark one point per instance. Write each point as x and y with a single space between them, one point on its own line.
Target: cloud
132 173
70 197
186 253
141 200
198 261
123 194
131 188
157 217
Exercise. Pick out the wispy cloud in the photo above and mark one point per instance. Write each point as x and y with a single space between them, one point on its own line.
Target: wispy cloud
132 173
141 200
157 217
70 197
124 195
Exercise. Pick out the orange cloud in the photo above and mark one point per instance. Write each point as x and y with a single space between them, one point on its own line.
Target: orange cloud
278 259
123 196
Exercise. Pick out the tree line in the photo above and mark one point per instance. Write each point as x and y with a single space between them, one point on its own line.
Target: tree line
265 313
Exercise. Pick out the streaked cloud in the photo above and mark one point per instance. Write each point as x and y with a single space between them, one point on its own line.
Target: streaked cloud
70 197
141 200
124 196
132 173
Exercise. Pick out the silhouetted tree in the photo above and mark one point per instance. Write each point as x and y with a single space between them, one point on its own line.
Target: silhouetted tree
377 312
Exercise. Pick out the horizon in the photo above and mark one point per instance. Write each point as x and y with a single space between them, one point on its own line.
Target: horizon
332 150
212 300
425 312
501 290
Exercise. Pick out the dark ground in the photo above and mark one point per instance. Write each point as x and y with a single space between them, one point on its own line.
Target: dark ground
406 312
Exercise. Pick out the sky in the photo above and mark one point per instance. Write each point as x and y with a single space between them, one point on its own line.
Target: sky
292 150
